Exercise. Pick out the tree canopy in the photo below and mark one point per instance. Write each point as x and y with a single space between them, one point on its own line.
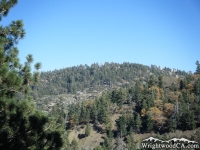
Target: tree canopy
22 126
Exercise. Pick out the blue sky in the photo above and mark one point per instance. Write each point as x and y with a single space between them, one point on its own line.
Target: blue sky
67 33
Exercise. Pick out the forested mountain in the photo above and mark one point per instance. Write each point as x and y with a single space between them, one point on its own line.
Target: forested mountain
132 102
96 77
152 101
142 109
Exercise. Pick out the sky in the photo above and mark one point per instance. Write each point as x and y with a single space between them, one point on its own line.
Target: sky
67 33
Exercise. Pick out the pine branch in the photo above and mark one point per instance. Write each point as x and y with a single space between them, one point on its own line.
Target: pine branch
11 5
2 11
11 90
47 128
18 135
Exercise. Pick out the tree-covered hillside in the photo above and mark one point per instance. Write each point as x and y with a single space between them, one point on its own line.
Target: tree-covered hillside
98 77
131 99
142 109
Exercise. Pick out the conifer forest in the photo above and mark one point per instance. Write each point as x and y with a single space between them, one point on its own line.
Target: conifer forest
108 106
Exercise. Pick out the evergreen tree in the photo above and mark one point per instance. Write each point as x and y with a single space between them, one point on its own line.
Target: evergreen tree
182 85
144 105
138 123
149 123
160 81
99 148
94 113
76 119
118 96
198 67
122 125
137 92
109 131
197 87
172 124
21 125
130 142
87 130
107 144
74 145
84 113
153 81
187 120
104 115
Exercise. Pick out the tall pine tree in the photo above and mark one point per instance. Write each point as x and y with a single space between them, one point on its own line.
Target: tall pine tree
21 125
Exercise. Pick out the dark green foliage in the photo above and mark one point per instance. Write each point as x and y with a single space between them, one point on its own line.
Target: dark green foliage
5 6
157 109
138 123
109 131
149 123
96 77
107 145
74 145
197 112
21 125
160 81
131 142
187 121
87 130
198 67
122 122
182 85
144 104
137 95
95 112
99 148
172 124
197 87
153 81
173 87
118 96
150 101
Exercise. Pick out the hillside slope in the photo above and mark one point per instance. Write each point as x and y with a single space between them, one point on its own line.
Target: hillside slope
97 77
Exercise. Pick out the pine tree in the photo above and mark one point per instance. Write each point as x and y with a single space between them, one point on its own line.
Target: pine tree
153 81
182 85
21 125
87 130
74 145
122 126
99 148
187 120
144 104
197 87
109 131
130 142
160 82
104 116
94 113
138 123
118 96
149 123
198 67
172 124
107 144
